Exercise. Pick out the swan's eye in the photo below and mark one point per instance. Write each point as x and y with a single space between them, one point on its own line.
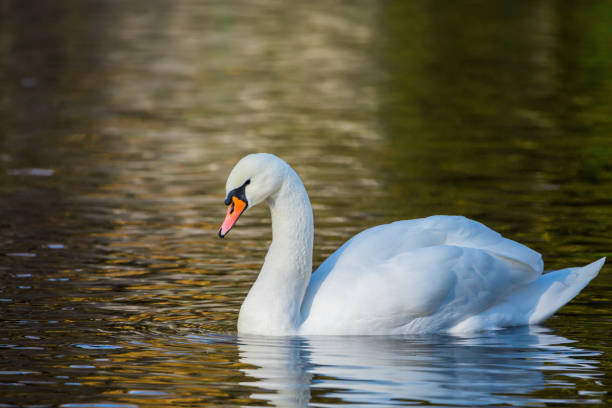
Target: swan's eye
238 193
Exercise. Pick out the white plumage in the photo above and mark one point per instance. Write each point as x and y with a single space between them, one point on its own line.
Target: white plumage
441 273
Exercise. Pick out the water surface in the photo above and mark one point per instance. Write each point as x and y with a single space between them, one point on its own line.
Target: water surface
120 120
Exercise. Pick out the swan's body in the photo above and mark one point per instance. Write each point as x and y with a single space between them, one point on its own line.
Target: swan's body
441 273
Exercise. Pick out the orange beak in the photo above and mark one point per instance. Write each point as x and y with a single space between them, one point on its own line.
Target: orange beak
234 210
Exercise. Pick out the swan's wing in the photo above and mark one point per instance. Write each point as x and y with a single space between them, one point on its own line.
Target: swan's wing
427 272
378 244
535 302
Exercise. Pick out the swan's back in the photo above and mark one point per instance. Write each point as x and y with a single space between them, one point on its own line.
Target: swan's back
378 244
418 275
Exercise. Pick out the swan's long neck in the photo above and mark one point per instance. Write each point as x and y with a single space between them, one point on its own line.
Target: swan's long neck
273 303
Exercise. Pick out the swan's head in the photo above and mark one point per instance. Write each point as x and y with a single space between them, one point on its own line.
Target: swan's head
253 179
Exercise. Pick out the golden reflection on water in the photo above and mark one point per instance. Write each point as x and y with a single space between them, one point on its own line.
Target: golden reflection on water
387 110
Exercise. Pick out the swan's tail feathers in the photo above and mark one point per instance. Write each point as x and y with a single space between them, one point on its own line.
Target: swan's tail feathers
559 287
534 303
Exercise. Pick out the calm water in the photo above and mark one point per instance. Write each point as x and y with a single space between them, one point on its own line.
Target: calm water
120 120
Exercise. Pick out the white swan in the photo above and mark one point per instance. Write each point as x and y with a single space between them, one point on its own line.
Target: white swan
442 273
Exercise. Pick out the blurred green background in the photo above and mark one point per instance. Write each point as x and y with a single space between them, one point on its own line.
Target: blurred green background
120 120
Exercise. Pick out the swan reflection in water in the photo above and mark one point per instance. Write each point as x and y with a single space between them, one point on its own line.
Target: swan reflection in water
488 368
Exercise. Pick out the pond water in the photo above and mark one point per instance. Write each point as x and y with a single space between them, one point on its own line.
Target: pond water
120 120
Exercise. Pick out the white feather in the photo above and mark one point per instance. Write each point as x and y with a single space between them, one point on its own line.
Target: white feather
441 273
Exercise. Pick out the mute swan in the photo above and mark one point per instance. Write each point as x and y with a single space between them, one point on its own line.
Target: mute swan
441 273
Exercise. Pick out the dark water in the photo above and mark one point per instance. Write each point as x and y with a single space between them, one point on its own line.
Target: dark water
120 120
